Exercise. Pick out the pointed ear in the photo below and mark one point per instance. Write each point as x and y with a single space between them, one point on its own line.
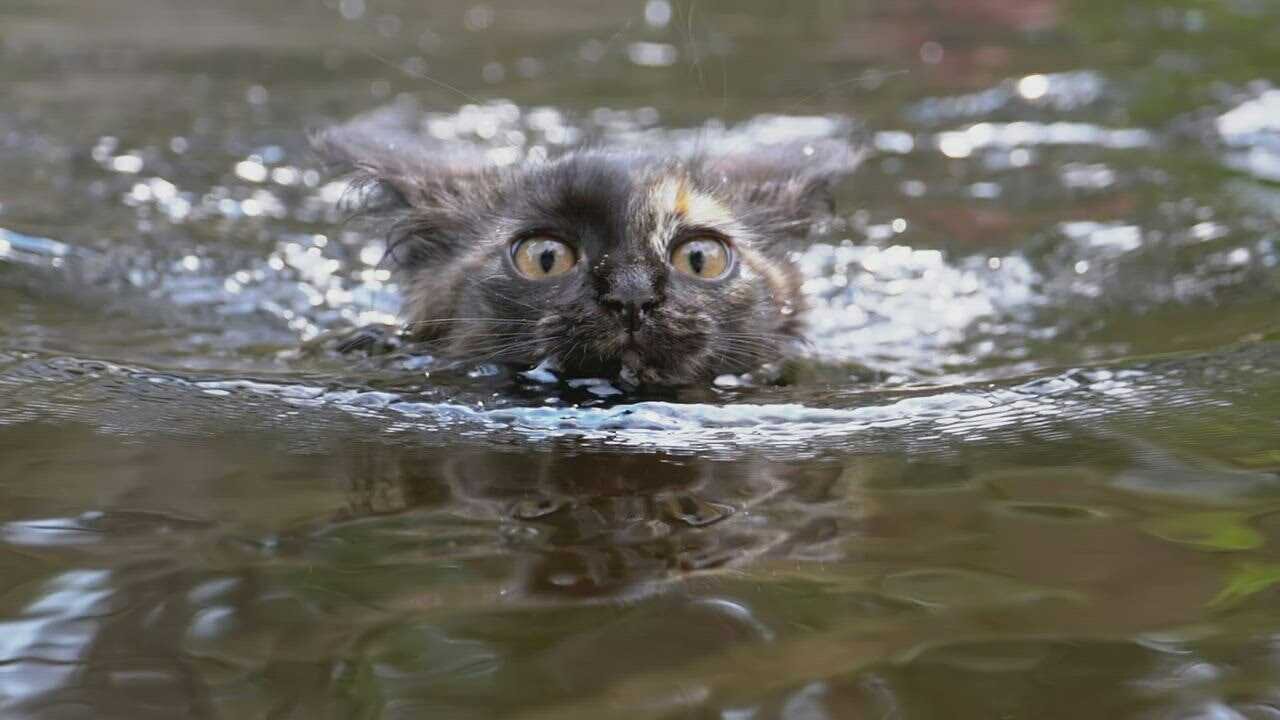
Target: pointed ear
415 190
784 187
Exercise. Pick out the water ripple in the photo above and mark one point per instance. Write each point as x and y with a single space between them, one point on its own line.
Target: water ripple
43 387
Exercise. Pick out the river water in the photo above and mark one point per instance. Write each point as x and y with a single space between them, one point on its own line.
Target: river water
1029 467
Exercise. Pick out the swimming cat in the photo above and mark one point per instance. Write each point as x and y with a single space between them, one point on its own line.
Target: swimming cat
650 267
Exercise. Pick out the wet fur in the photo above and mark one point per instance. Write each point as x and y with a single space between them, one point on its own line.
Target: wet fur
450 218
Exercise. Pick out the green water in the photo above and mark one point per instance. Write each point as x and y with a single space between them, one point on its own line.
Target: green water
1030 467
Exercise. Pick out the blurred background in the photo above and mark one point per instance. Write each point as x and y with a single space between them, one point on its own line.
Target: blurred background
1028 468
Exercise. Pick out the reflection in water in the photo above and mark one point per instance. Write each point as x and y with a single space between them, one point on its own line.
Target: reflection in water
1027 469
434 578
595 527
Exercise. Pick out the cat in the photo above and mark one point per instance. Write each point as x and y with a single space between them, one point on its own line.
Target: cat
649 267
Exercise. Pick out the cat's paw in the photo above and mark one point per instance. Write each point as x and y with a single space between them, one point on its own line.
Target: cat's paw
367 341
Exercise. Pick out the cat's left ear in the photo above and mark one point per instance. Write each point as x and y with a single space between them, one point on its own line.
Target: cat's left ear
787 186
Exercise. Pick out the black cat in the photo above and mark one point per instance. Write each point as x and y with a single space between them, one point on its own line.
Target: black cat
655 268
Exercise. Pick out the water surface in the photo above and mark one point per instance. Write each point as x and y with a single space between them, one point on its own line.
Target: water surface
1029 467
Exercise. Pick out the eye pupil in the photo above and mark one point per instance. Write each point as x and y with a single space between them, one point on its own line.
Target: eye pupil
547 260
697 261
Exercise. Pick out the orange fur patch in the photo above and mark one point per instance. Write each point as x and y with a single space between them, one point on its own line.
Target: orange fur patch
682 200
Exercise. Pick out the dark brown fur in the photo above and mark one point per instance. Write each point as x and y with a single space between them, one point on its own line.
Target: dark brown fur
451 218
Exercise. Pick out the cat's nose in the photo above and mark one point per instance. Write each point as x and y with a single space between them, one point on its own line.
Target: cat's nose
632 310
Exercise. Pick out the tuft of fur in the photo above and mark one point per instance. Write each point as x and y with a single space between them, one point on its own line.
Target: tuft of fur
450 218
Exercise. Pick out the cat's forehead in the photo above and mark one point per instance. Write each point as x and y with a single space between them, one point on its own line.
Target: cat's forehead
675 194
628 196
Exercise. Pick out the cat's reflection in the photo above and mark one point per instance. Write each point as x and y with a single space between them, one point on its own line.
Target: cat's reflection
592 526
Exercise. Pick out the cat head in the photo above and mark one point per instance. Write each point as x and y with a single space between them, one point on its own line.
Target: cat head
656 268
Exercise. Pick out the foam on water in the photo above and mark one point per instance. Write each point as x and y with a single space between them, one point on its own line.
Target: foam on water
1071 398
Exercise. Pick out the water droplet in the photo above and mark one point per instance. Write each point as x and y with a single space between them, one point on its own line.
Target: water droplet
351 9
657 13
478 17
1033 87
931 53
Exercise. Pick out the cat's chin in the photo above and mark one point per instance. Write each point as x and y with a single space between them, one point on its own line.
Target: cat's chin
637 370
630 367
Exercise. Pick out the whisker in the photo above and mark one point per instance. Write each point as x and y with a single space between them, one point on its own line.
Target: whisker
496 352
416 75
441 321
875 74
510 299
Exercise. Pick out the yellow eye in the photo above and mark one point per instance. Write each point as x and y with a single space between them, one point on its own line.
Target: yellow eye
543 257
701 257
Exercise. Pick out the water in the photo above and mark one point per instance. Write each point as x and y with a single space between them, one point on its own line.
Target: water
1029 468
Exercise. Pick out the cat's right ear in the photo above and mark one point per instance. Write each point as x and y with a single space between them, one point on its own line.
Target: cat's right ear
402 168
419 192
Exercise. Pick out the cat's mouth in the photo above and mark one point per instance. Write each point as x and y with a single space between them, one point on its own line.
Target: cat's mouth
648 354
630 352
629 356
632 361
